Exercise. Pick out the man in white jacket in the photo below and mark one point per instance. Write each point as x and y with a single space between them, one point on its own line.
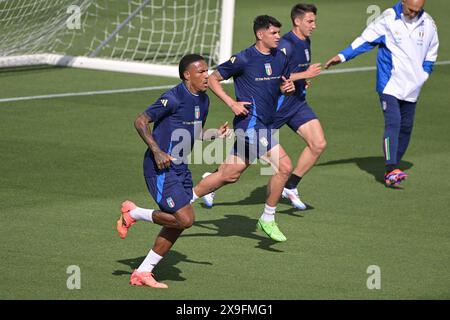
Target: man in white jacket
407 43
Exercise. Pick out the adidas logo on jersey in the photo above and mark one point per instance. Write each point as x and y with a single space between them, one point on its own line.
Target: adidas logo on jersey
232 59
164 102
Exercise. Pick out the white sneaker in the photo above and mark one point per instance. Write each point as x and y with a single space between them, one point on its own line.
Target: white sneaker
208 199
292 194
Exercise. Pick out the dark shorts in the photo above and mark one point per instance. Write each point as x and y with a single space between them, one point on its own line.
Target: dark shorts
293 115
253 139
171 190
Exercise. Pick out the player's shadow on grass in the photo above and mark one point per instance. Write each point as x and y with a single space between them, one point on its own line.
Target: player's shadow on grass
295 212
371 165
234 225
258 196
166 268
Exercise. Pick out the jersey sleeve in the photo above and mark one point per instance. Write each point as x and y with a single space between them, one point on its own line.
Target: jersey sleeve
233 67
432 52
286 48
164 106
372 36
286 72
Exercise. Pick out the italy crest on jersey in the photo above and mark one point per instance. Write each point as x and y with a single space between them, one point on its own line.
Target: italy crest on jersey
422 33
197 112
268 69
170 202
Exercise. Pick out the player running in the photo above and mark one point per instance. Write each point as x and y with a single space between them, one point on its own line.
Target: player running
178 116
259 74
294 110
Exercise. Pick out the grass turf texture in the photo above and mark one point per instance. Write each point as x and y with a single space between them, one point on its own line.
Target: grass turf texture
68 163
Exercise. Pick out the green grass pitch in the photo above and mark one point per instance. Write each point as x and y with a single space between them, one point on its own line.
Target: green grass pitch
68 163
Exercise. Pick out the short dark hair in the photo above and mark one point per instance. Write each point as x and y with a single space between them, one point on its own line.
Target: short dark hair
264 22
186 61
300 9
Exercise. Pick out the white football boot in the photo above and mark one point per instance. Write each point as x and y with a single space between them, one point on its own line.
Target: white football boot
294 197
208 199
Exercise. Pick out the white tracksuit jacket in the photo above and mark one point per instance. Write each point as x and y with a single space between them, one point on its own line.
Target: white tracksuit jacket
405 55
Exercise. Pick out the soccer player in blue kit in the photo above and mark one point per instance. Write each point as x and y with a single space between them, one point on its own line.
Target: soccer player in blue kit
178 116
294 110
260 75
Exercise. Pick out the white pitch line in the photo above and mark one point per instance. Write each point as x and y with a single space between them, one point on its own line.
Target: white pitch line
86 93
92 93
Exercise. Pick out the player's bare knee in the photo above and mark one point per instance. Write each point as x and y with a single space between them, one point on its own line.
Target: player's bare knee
185 222
318 147
285 168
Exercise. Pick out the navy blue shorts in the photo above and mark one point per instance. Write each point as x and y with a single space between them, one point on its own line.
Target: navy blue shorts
294 116
253 139
171 190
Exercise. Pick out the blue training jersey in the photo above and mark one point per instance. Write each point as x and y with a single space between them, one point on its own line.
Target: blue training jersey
178 117
257 79
298 52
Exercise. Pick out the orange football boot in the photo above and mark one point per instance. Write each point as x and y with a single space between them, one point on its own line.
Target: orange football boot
125 221
146 279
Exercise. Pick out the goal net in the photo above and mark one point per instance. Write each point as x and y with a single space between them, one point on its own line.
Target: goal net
141 36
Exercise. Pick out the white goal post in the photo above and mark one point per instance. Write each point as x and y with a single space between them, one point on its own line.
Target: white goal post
135 36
